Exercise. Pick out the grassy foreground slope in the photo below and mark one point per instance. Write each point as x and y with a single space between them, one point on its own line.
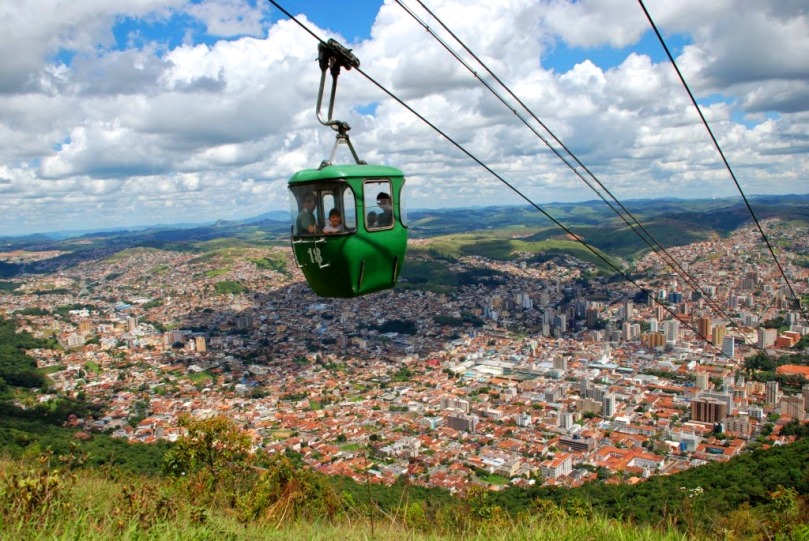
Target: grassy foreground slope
50 500
210 486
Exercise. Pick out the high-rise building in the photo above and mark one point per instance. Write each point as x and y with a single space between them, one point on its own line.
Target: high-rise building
465 423
706 410
738 425
671 329
608 406
591 317
626 331
702 381
455 403
717 396
705 328
588 404
202 347
728 347
766 337
771 392
654 339
793 406
718 335
244 322
584 386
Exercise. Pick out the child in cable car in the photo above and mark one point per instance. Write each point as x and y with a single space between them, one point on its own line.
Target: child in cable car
335 224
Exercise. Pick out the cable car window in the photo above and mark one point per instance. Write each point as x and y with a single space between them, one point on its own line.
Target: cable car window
311 205
402 207
349 209
304 211
378 204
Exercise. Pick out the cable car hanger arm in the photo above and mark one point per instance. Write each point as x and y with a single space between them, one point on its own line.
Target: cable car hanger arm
332 57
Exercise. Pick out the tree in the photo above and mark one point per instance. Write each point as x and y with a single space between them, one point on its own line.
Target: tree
212 446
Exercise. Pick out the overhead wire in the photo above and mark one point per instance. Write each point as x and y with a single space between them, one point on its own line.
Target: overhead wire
474 158
724 159
637 228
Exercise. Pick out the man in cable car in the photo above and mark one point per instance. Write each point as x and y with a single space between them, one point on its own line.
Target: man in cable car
385 218
306 222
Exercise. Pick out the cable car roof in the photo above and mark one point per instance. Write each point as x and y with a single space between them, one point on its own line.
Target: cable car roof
344 171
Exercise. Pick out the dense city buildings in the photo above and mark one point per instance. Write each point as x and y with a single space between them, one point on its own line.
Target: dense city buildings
543 373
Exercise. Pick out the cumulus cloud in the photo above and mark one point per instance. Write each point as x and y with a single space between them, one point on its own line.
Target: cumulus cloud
227 18
105 126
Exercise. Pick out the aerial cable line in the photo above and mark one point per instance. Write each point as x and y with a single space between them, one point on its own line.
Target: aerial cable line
648 238
501 179
724 160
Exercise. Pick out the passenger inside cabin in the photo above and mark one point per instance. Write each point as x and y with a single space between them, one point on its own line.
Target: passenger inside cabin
306 221
371 220
335 224
385 203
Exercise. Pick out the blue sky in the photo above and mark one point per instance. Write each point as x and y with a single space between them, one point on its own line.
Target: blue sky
132 113
352 19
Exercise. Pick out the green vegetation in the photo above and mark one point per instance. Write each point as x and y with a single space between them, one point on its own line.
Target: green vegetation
434 275
223 251
154 303
200 377
158 269
216 272
458 322
65 309
25 439
210 486
9 270
93 367
33 312
16 367
7 287
229 287
401 326
275 261
761 367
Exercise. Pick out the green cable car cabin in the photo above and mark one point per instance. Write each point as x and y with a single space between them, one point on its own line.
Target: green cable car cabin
349 224
349 231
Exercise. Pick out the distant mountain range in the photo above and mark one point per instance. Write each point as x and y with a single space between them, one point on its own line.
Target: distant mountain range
670 222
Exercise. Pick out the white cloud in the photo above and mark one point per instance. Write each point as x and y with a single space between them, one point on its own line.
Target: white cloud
157 133
230 17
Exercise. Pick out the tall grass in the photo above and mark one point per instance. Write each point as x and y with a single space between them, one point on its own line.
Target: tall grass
50 501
